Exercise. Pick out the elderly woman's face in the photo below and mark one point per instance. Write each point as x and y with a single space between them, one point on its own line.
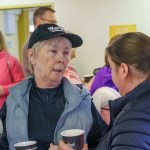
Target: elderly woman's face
52 59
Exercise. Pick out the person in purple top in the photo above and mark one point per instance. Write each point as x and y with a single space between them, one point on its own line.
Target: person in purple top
103 79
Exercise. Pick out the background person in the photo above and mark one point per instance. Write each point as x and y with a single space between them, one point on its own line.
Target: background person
47 103
71 72
42 15
103 76
101 98
11 70
103 89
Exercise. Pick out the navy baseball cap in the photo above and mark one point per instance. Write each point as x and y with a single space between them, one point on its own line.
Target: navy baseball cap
48 31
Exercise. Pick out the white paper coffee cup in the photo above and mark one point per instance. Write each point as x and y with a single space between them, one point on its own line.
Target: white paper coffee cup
74 138
27 145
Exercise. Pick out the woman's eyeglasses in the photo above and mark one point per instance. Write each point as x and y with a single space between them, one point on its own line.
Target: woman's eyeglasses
105 108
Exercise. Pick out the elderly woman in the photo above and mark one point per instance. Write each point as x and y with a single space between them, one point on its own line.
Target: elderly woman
45 104
129 129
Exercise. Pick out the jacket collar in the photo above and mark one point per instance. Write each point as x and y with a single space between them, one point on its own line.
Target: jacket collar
117 105
72 93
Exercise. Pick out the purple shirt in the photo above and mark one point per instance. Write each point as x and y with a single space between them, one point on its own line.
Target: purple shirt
103 78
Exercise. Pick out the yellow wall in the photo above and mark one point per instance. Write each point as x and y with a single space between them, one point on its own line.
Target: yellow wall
23 30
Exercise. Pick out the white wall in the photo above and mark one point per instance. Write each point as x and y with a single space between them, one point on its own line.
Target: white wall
15 3
11 40
91 20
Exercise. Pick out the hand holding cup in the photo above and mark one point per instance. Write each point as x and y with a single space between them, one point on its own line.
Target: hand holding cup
74 138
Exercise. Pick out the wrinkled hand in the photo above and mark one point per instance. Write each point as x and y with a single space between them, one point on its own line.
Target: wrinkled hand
63 146
54 147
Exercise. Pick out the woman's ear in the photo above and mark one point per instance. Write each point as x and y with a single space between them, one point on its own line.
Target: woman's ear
31 56
124 70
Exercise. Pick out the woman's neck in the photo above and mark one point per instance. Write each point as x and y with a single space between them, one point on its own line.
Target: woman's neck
44 83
